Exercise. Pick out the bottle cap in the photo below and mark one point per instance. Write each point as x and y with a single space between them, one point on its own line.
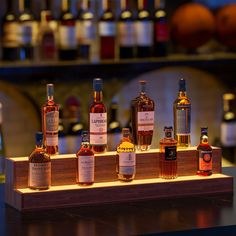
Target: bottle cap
142 84
97 84
50 90
168 128
85 136
39 138
204 130
182 85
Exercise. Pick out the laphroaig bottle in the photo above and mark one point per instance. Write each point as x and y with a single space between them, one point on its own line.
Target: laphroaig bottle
2 149
50 120
143 119
39 166
86 162
182 116
98 119
168 155
204 157
126 158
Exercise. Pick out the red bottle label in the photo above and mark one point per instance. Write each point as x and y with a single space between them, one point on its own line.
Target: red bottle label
205 160
162 32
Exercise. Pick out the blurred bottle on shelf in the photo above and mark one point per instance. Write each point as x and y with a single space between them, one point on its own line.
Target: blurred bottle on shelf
161 29
67 33
107 32
126 32
62 146
114 128
10 27
228 127
144 30
2 149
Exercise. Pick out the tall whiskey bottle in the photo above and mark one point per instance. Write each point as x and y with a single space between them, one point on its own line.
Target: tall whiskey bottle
39 166
98 119
168 155
126 159
126 32
10 27
143 119
182 116
204 154
50 120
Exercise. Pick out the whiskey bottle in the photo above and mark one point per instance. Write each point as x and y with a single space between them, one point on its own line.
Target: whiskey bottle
161 31
98 119
126 159
86 162
107 32
168 155
182 116
144 31
10 27
126 32
2 149
204 152
39 166
143 119
50 120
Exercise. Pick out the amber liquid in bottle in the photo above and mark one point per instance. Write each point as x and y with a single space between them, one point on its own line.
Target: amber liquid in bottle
98 120
168 155
182 117
39 166
204 155
126 160
85 162
50 121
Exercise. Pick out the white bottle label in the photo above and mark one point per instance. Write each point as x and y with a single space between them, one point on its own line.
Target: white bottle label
40 174
144 33
85 32
127 163
228 134
126 32
98 128
11 34
146 121
183 116
52 120
67 37
86 169
107 28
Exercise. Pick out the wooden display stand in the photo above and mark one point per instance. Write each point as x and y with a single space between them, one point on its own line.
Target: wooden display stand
106 189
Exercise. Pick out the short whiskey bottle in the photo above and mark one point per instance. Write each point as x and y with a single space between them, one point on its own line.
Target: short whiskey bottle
143 119
182 116
39 166
86 162
204 152
50 121
126 158
98 119
168 155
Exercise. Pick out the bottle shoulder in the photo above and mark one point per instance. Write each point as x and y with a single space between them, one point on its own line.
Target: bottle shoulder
126 145
168 141
39 155
97 107
204 147
85 151
182 101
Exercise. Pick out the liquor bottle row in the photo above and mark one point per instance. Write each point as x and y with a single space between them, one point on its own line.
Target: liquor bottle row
143 34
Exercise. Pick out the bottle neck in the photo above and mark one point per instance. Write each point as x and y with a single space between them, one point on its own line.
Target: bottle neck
105 5
168 134
65 5
142 4
124 4
159 4
50 98
97 96
204 139
182 94
85 144
85 5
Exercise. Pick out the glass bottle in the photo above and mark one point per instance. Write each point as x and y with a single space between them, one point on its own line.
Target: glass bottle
168 155
126 32
144 31
2 149
204 157
182 116
142 119
126 158
98 119
50 121
39 166
10 27
161 29
67 33
107 32
86 162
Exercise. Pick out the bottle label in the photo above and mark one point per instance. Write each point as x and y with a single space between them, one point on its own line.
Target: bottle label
146 121
86 169
67 37
126 34
40 174
52 120
26 33
85 32
228 134
144 33
183 114
205 160
107 28
98 128
162 33
127 162
170 153
11 34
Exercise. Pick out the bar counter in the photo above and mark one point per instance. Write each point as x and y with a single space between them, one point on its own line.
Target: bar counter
201 215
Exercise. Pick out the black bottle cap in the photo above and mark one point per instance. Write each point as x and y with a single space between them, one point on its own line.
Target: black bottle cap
142 85
39 138
97 84
182 85
170 128
204 130
50 90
